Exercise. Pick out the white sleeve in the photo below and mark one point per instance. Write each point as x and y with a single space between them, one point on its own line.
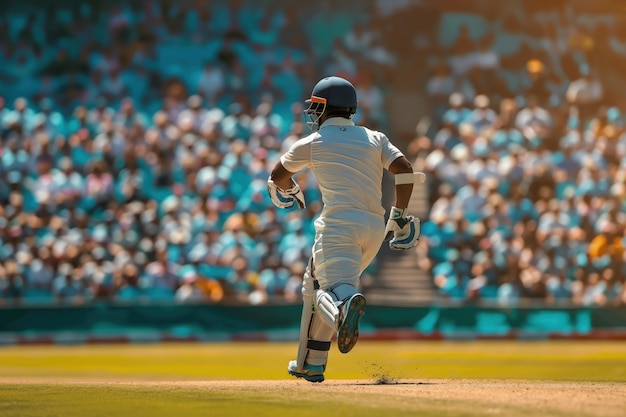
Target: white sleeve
298 156
389 152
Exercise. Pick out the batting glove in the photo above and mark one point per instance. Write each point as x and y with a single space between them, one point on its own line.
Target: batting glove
402 232
285 198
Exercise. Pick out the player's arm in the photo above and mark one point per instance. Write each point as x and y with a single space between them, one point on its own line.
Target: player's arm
402 165
402 231
281 176
283 190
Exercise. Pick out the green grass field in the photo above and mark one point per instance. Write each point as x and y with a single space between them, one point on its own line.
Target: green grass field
376 378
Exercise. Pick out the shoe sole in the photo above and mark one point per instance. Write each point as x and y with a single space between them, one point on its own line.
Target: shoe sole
310 378
348 333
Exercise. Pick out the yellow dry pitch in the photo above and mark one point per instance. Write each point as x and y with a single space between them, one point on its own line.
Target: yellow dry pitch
561 378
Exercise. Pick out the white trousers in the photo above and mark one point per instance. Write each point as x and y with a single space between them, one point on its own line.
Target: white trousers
345 244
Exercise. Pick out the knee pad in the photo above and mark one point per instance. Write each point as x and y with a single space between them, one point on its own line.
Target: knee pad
326 308
342 292
327 302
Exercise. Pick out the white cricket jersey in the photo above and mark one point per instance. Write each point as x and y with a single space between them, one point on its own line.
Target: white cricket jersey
348 163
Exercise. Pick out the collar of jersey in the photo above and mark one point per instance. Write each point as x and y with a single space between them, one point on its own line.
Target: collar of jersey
337 121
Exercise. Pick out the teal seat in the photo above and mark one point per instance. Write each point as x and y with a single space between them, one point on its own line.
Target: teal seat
37 296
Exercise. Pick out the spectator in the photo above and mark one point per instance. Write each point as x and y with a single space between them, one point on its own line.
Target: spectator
189 290
607 245
211 83
482 116
371 100
533 121
585 93
457 113
13 283
440 86
98 185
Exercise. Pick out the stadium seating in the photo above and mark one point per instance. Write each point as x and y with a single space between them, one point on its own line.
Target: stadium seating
528 207
137 137
136 143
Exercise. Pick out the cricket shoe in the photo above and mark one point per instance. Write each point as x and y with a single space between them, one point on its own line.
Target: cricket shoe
348 331
312 373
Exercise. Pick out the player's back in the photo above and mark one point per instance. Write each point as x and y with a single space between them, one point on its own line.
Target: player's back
348 162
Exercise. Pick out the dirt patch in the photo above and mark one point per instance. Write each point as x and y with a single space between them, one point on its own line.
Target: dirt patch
494 397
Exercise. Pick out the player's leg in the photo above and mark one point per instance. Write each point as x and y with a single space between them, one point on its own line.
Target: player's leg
315 335
337 254
369 235
369 239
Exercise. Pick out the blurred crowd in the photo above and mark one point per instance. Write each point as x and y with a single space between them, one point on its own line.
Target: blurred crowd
136 141
527 163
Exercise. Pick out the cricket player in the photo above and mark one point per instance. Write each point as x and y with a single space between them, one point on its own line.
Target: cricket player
348 162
